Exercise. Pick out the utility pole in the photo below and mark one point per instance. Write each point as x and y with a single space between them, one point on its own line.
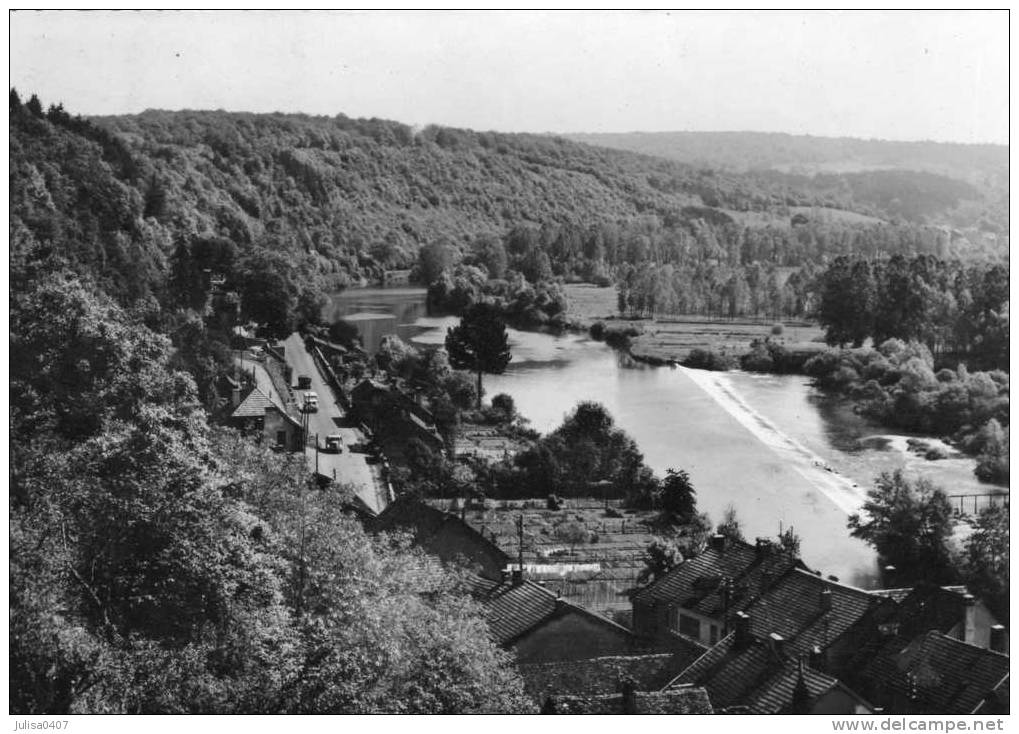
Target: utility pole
520 542
316 453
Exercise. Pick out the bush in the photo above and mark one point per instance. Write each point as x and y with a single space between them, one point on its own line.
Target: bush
706 359
777 330
597 331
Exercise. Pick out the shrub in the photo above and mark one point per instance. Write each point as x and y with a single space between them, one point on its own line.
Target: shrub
777 330
706 359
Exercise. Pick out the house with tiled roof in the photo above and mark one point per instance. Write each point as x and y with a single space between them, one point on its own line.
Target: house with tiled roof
260 414
808 612
954 611
698 597
935 674
444 536
777 658
394 417
678 701
537 625
746 674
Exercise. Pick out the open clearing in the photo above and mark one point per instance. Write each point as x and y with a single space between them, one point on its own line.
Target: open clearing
672 338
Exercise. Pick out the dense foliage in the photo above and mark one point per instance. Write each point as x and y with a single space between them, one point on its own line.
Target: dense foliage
897 384
960 312
347 199
161 566
911 525
479 343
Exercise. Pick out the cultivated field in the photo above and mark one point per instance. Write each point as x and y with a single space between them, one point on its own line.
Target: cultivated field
672 338
596 571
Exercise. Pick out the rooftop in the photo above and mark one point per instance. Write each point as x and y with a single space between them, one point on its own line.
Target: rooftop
808 611
255 405
758 677
697 583
938 674
601 676
678 701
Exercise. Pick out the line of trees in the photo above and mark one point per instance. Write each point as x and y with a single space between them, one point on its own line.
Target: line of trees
959 311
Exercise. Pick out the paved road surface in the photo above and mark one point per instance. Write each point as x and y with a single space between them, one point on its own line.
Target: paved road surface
345 467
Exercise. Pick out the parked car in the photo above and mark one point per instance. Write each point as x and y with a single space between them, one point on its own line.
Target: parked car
310 402
303 382
334 443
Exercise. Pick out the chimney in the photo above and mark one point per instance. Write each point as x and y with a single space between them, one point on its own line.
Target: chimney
826 599
629 691
818 658
504 576
998 638
742 626
764 547
518 576
969 629
777 644
718 542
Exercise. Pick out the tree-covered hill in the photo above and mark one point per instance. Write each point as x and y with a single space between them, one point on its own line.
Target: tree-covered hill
343 199
944 183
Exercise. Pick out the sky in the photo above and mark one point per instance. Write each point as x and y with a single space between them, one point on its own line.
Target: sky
897 75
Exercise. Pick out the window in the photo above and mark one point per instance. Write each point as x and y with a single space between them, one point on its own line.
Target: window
689 626
281 438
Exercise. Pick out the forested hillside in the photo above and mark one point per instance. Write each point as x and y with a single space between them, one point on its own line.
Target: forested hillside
942 183
345 199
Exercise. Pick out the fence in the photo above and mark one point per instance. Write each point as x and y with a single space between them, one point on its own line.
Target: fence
964 504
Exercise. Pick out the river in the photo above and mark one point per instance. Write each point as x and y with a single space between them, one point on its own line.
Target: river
772 446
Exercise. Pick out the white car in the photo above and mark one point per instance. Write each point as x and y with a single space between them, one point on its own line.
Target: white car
310 402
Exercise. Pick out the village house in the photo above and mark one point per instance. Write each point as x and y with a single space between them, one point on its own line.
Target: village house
258 413
745 674
698 598
537 626
926 648
951 610
935 674
394 417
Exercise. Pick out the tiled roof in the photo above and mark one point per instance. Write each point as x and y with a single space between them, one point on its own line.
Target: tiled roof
696 583
254 405
794 609
755 679
679 701
928 607
513 610
936 674
599 676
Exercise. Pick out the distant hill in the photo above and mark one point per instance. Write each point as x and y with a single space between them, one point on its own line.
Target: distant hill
344 199
950 183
